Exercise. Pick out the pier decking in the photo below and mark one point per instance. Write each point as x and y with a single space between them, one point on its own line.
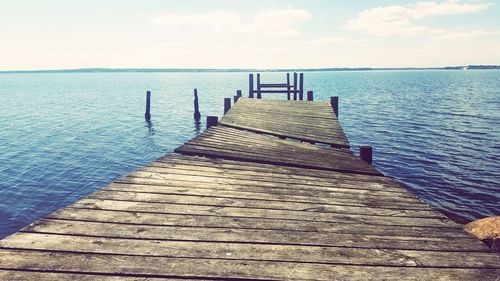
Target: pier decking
251 199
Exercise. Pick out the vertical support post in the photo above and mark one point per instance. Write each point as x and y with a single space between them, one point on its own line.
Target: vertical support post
301 86
259 94
227 104
295 86
310 96
365 153
212 121
334 101
235 98
196 114
147 115
288 85
250 85
238 93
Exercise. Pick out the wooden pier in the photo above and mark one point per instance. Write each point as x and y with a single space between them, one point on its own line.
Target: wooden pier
270 193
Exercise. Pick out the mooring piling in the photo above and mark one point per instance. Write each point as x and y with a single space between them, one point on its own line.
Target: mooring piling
238 96
227 104
334 101
295 86
147 115
250 85
365 153
212 121
288 87
310 96
259 93
301 86
196 114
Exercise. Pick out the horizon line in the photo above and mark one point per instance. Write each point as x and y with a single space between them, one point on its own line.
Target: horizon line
187 69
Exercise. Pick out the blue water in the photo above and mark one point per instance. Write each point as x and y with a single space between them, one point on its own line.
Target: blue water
63 136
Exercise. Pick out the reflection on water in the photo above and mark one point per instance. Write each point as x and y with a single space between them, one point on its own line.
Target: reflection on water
149 125
197 126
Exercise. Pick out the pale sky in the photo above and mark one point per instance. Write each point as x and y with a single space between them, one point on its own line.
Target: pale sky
60 34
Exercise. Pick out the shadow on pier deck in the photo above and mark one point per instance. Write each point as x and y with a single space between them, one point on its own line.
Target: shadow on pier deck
247 200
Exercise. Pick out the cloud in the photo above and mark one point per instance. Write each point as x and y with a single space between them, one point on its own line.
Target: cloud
265 23
399 20
464 35
277 22
217 20
326 41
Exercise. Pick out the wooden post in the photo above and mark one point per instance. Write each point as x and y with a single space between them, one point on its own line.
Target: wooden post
238 96
365 153
334 101
259 94
310 96
227 104
147 115
301 86
250 85
295 86
196 114
288 85
212 121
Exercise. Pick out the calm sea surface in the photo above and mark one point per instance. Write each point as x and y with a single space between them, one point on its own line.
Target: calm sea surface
62 136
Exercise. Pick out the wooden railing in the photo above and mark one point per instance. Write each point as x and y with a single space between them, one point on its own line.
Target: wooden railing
297 88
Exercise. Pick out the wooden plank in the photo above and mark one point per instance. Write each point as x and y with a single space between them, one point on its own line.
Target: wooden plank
340 190
322 114
140 184
255 146
273 85
290 172
326 121
375 207
289 129
333 139
243 251
253 181
299 106
256 138
141 213
274 151
288 125
111 230
18 275
273 91
343 165
146 266
278 175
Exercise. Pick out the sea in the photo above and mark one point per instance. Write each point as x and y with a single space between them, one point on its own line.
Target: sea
65 135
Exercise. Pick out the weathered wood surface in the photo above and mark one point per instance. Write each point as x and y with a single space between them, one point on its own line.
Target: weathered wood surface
257 208
307 121
230 143
195 217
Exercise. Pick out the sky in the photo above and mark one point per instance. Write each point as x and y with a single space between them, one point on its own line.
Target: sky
63 34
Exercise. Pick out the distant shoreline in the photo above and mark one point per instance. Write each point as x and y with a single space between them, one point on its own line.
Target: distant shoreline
170 70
